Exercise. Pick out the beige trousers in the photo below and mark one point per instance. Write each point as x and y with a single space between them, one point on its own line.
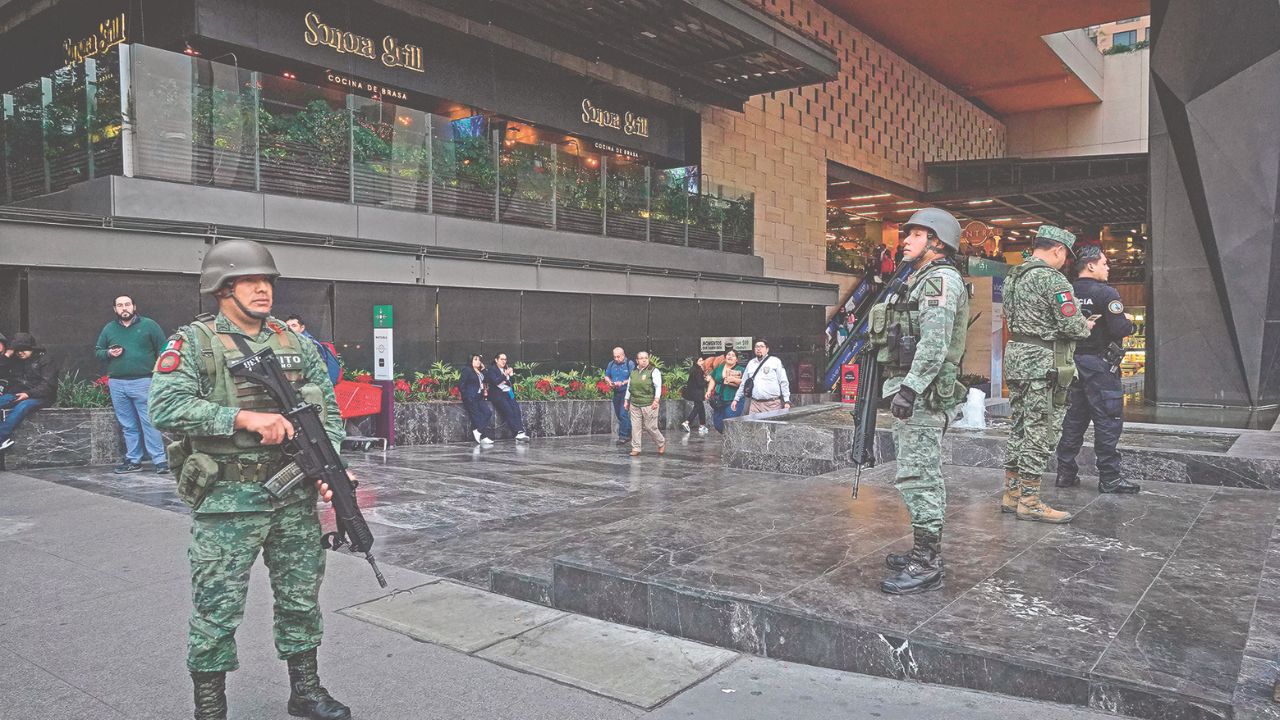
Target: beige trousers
645 420
759 406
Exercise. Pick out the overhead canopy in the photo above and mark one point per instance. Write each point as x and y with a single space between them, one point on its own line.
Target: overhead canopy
719 51
1009 193
990 51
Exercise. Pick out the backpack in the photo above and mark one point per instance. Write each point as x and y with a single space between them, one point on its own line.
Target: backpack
331 363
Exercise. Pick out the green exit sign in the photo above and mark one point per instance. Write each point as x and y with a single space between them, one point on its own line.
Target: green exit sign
382 316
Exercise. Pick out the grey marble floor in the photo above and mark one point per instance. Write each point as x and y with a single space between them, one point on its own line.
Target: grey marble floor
1169 594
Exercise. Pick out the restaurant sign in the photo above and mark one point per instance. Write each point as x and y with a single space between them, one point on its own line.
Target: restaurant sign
390 52
628 122
110 33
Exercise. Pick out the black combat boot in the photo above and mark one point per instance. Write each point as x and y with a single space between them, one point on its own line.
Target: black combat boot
924 567
898 561
1066 479
306 697
211 695
1119 486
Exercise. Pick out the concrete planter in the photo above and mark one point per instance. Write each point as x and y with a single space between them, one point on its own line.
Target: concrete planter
54 437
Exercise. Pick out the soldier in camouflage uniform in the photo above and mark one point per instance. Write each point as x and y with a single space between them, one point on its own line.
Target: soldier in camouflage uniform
231 434
934 316
1044 324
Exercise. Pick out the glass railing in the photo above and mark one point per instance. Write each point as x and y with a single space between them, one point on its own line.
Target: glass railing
186 119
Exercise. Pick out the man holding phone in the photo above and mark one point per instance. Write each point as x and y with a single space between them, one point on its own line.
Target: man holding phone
129 345
1096 395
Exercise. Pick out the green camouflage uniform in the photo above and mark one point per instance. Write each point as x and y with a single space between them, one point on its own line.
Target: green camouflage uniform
1038 302
193 393
940 322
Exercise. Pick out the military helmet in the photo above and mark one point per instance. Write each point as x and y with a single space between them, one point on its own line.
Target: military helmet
232 259
942 223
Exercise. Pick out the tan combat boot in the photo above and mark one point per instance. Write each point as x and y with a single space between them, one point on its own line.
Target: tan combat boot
1012 492
1031 507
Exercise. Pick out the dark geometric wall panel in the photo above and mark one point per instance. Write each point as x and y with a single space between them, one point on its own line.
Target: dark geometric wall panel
555 328
1215 203
414 321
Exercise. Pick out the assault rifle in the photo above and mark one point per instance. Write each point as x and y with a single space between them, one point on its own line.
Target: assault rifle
863 453
312 452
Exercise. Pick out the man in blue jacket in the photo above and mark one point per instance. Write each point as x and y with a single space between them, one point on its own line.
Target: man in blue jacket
618 374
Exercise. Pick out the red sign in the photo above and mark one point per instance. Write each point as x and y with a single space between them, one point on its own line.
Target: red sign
849 383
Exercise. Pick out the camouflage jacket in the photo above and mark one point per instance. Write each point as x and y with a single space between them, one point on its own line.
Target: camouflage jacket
942 322
1038 301
178 403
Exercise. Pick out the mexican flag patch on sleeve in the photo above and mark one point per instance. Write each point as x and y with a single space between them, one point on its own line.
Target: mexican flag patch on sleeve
1066 303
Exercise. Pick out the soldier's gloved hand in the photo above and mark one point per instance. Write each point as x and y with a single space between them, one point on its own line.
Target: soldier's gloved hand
903 404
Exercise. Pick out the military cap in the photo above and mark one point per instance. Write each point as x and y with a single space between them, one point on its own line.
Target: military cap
1057 234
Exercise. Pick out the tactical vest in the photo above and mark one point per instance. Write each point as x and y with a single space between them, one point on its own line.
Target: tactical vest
230 391
894 330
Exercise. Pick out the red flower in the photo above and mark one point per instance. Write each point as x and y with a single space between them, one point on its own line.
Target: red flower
561 391
368 379
455 392
103 381
403 386
543 385
575 386
604 387
427 382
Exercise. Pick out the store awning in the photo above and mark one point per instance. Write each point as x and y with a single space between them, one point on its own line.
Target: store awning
1082 191
718 51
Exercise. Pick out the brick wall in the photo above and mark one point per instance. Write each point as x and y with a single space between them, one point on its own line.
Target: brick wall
883 116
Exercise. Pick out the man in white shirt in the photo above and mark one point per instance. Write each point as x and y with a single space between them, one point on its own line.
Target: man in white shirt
766 380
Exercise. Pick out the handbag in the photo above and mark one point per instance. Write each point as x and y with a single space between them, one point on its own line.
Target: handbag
718 402
749 385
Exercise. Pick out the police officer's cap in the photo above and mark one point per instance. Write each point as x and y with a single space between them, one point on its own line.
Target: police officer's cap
231 259
942 223
1057 234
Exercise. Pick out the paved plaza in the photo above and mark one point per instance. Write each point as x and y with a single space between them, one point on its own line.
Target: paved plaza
566 579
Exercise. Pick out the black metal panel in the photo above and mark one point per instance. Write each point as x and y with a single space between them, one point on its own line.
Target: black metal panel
414 323
555 329
309 299
478 321
673 328
67 309
618 321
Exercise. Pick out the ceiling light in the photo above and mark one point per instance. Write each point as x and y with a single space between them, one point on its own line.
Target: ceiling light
869 197
980 202
648 34
1033 222
839 182
1000 219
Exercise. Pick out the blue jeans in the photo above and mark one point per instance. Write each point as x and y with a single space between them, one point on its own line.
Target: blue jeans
624 415
719 416
129 399
509 410
18 410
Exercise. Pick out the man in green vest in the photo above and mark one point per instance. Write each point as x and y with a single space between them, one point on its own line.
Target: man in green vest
644 392
1044 324
232 431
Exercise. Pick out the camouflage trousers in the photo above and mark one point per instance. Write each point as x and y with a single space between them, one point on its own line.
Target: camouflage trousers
1037 426
918 440
224 547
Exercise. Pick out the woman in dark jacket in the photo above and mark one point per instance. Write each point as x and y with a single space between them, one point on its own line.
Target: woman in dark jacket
695 391
473 389
502 393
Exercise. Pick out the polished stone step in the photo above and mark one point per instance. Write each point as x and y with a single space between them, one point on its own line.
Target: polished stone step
1143 606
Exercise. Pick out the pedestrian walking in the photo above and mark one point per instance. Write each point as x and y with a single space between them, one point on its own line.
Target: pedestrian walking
232 433
33 384
695 391
644 393
1096 395
920 338
129 346
722 388
502 394
765 385
328 353
473 390
618 374
1044 325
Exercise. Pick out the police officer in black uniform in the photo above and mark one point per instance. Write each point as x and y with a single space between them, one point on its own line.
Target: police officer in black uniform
1096 394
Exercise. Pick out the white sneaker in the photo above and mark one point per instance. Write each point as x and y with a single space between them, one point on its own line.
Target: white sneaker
476 435
486 442
6 444
521 437
685 426
702 430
